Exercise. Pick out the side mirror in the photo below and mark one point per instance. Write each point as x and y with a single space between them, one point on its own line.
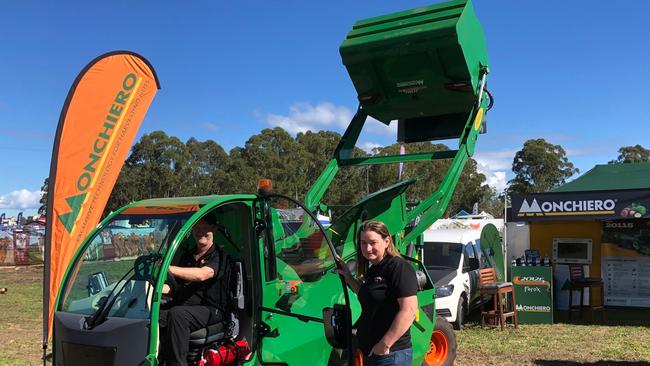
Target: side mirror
474 264
96 283
337 322
422 279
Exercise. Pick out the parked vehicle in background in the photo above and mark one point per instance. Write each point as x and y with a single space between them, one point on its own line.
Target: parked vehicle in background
452 258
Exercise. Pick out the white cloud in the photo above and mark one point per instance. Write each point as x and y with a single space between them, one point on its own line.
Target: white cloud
304 117
495 164
496 180
369 146
379 128
495 160
20 200
210 127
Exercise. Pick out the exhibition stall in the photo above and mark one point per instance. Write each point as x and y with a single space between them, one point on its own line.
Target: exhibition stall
601 220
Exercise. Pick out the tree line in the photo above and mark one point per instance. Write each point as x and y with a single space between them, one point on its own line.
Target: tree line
164 166
160 165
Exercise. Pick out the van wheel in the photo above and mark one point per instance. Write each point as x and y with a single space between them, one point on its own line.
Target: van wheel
461 310
442 346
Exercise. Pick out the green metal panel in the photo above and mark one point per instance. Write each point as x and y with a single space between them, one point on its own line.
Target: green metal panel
410 64
373 160
423 325
197 200
387 205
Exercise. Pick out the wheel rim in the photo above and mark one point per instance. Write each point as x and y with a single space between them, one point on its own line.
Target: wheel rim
438 349
358 358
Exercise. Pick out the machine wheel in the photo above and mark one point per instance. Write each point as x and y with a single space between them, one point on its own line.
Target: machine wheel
442 346
358 359
461 310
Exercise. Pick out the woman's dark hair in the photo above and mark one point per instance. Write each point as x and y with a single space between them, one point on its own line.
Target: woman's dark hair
381 229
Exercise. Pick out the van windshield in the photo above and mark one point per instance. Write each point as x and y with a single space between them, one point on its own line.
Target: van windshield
442 255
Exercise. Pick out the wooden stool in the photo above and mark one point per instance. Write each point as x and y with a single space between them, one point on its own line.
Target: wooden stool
499 292
578 282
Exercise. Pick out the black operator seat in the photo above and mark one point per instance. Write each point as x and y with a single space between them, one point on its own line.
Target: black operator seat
228 328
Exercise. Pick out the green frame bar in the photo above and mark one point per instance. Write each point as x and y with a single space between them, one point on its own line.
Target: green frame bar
375 160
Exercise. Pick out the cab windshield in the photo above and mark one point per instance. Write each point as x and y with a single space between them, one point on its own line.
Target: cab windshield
119 265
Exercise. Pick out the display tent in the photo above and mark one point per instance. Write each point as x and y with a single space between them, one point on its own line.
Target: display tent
600 220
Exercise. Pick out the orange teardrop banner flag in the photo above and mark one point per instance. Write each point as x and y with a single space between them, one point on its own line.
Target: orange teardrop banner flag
98 123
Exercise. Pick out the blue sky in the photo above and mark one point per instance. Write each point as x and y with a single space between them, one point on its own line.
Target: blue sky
576 73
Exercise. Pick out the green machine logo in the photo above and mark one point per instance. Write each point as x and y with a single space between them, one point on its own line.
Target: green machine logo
70 218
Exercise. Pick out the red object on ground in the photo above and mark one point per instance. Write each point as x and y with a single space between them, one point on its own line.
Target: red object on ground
225 354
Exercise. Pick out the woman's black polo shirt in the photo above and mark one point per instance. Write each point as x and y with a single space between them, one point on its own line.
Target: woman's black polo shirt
386 281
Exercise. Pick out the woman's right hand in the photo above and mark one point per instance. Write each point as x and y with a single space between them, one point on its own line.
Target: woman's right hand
343 268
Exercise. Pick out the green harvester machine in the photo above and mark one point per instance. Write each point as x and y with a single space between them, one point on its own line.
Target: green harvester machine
424 68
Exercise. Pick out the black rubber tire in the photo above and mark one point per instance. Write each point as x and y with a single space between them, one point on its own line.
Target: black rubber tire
443 326
461 310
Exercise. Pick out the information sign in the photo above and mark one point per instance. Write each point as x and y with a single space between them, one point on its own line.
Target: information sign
533 294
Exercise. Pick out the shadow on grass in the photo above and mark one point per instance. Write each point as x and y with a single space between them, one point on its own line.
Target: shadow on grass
639 317
597 363
613 317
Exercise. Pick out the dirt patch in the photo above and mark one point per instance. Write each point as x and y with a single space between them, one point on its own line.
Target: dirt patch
14 276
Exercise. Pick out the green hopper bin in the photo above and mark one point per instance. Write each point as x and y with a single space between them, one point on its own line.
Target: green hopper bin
421 67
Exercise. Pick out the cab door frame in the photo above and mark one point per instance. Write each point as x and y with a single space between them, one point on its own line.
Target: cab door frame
340 315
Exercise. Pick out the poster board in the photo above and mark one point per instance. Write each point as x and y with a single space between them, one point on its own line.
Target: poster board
625 248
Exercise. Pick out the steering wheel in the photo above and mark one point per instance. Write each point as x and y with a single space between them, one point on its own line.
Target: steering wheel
143 266
101 297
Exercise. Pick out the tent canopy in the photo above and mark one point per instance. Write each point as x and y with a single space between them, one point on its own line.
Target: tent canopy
610 177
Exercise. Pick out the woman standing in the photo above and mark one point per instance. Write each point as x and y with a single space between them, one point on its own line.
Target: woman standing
386 286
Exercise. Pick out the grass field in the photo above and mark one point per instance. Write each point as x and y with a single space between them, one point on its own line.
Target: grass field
558 344
20 315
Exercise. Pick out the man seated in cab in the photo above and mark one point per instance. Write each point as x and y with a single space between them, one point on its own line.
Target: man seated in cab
198 292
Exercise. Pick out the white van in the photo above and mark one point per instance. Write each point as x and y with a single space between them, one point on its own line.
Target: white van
452 258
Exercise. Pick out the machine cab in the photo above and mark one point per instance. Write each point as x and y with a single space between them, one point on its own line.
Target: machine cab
285 297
